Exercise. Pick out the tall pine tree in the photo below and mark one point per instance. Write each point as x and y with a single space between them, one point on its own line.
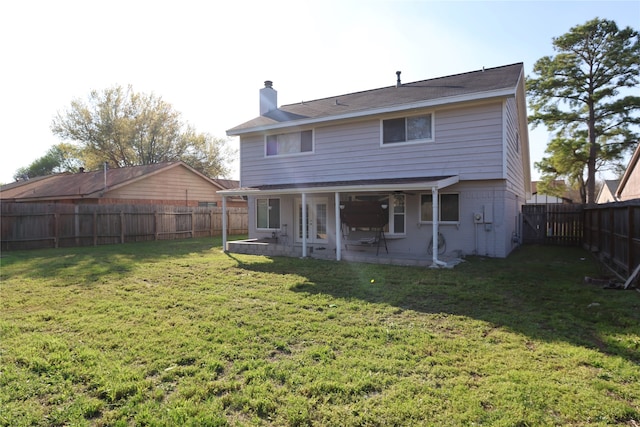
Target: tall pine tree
583 95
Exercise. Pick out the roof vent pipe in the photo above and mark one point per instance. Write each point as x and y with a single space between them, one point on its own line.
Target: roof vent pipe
268 98
398 83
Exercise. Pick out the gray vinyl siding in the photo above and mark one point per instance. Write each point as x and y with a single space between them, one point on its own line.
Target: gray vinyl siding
493 239
513 150
468 141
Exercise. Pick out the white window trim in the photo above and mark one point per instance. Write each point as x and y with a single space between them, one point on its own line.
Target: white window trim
412 141
392 214
302 153
256 211
420 221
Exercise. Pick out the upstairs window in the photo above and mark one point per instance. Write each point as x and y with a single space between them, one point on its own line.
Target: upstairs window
407 129
289 143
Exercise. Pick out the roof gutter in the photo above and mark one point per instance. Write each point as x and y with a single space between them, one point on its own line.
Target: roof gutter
370 112
440 183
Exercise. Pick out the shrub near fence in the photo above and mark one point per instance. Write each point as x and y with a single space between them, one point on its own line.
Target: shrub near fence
30 226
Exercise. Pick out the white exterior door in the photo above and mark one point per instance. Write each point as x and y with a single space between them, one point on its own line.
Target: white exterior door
317 209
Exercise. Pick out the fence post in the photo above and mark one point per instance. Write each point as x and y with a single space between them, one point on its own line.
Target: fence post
155 224
211 223
76 224
95 228
121 227
630 234
600 234
56 217
193 224
612 235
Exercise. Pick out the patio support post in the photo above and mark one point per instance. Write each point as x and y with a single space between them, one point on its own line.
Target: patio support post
224 223
304 225
338 228
434 197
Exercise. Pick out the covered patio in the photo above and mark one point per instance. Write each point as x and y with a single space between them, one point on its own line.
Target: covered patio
258 247
297 241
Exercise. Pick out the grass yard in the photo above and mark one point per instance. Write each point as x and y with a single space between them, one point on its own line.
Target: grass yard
179 333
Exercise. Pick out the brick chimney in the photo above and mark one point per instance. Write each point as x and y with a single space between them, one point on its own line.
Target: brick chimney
268 98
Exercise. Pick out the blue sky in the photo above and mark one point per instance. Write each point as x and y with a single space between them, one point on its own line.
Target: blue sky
209 59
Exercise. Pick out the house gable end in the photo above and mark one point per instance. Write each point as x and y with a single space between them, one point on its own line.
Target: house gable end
185 186
116 184
629 186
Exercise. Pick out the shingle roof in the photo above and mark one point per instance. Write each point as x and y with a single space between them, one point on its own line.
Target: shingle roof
227 183
474 82
611 185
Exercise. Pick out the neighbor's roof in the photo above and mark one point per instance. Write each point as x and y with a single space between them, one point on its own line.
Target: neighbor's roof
227 183
611 185
568 195
499 81
86 184
21 186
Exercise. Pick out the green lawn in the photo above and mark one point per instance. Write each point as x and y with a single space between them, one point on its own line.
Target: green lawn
179 333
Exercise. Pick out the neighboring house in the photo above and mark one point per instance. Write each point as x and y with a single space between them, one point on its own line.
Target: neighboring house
607 193
448 155
227 184
629 186
539 198
545 199
173 183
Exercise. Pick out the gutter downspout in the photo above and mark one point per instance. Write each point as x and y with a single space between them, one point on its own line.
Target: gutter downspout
224 223
436 262
338 228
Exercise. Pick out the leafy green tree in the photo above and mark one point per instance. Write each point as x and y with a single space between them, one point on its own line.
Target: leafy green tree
59 158
568 158
126 128
203 151
582 93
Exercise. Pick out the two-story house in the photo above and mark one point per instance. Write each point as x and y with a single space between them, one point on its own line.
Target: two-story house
384 170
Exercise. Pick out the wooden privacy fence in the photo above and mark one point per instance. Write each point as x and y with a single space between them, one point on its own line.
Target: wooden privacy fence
553 224
612 231
30 226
